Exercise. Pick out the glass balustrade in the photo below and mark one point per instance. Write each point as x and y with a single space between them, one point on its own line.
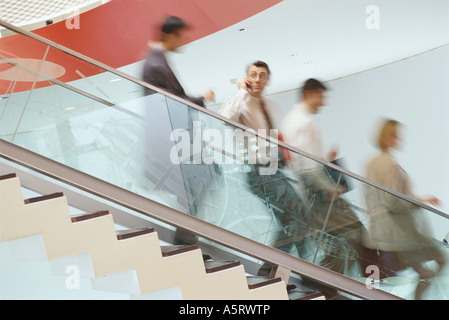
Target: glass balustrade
237 180
110 127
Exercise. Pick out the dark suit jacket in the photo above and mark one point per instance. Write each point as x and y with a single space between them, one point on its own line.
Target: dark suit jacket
157 72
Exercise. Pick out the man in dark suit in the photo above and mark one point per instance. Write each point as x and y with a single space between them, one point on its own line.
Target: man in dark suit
156 70
161 119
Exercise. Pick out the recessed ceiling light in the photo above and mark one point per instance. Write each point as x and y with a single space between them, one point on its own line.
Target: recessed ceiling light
241 29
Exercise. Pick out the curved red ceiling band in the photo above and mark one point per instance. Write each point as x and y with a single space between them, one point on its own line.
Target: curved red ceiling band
117 34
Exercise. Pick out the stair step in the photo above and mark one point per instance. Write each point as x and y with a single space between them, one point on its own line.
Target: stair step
215 266
87 216
127 234
168 251
255 282
44 197
8 176
64 249
305 295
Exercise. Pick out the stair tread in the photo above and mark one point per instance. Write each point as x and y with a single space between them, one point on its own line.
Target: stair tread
87 216
126 234
44 197
8 176
304 295
218 265
168 251
258 281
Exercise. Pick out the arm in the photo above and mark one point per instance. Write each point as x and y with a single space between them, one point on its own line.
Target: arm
400 181
158 73
304 138
389 174
233 107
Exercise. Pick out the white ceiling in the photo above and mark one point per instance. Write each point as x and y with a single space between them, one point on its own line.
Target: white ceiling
326 39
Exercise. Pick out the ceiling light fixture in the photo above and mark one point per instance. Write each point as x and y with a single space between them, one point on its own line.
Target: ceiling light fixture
241 29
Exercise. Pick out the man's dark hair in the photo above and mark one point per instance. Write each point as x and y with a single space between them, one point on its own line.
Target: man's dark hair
173 24
313 84
260 64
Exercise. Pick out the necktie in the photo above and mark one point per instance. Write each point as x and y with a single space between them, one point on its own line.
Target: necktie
265 113
284 153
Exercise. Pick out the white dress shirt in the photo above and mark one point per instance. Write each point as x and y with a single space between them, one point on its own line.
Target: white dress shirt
300 130
247 110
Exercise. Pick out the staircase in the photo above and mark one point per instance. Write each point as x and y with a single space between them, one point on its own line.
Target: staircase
156 267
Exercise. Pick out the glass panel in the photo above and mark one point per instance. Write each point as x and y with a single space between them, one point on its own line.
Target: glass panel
114 129
20 65
94 80
315 213
402 246
19 74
